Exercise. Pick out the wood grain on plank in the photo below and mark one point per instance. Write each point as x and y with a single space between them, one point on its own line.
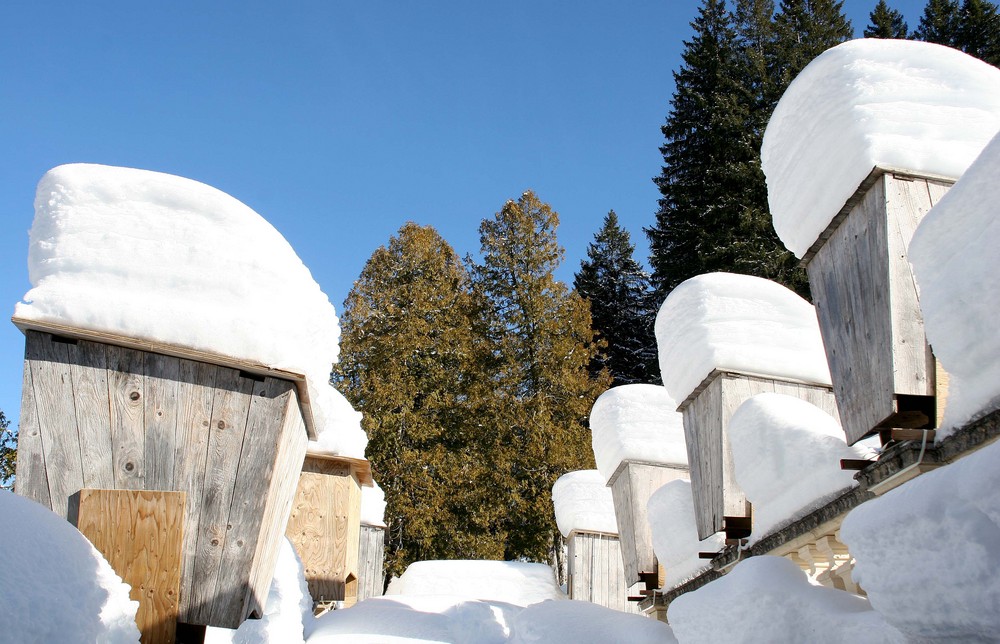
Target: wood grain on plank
128 435
162 383
31 480
89 370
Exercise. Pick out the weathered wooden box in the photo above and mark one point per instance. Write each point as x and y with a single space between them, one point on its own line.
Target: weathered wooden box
707 412
325 525
596 572
371 560
98 415
866 300
631 486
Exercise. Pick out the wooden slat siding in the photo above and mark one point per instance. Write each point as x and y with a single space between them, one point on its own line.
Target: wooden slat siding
140 532
52 382
195 396
161 381
89 368
253 478
225 441
621 495
597 573
31 480
128 436
371 558
292 444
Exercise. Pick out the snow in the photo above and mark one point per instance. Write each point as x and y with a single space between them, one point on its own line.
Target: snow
512 582
54 583
583 503
675 537
373 506
583 623
768 599
740 323
169 260
927 552
636 422
287 611
865 103
787 453
955 262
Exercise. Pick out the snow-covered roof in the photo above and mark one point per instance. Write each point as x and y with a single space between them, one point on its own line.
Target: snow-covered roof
171 261
740 323
636 423
899 104
675 536
955 262
513 582
583 503
373 506
787 457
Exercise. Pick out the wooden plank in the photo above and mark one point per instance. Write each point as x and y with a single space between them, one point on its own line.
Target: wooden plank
621 494
703 436
226 430
371 555
52 384
162 381
128 435
89 369
254 475
195 396
31 480
140 534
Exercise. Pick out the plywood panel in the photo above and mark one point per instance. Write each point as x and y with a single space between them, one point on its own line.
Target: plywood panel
140 534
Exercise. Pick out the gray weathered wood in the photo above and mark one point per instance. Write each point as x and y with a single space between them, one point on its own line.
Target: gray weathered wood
128 437
596 571
162 374
89 369
31 481
371 559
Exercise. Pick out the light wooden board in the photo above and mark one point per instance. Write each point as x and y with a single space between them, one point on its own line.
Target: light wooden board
128 438
30 481
597 573
371 559
140 534
160 411
89 370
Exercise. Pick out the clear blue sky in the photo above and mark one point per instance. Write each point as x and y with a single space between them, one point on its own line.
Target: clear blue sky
339 121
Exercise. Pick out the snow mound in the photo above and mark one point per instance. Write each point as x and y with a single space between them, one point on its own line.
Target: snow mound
583 502
54 584
638 423
927 551
513 582
954 260
373 506
865 103
787 457
675 536
168 260
768 599
583 622
740 323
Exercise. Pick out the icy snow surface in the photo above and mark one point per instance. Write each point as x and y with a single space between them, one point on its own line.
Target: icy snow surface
373 506
955 260
675 537
287 611
787 456
169 260
583 502
891 103
636 422
768 599
54 584
928 552
741 323
512 582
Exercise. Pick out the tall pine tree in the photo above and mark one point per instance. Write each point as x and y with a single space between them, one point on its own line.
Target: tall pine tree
621 306
978 32
538 344
805 29
886 23
939 23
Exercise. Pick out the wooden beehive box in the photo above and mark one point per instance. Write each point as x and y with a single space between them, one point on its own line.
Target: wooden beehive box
325 525
371 560
882 369
101 412
631 486
596 571
707 412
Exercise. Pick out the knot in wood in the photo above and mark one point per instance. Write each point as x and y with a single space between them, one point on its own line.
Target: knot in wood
129 467
222 424
215 542
134 395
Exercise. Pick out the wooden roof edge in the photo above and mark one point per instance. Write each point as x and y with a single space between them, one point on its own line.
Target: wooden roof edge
360 467
178 351
720 371
859 193
629 461
575 532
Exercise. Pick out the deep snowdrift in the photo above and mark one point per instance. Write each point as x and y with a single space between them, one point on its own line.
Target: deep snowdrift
892 103
513 582
169 260
583 502
675 537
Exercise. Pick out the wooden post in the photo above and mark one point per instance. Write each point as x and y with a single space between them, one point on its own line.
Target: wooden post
140 533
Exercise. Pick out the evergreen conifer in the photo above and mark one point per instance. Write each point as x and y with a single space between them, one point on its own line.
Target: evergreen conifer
886 23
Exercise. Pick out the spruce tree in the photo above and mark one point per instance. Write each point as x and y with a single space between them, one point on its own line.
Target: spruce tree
805 29
978 31
8 453
939 23
537 344
621 306
886 23
406 364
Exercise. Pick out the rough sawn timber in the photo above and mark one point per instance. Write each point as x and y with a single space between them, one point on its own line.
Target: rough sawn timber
371 559
596 572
